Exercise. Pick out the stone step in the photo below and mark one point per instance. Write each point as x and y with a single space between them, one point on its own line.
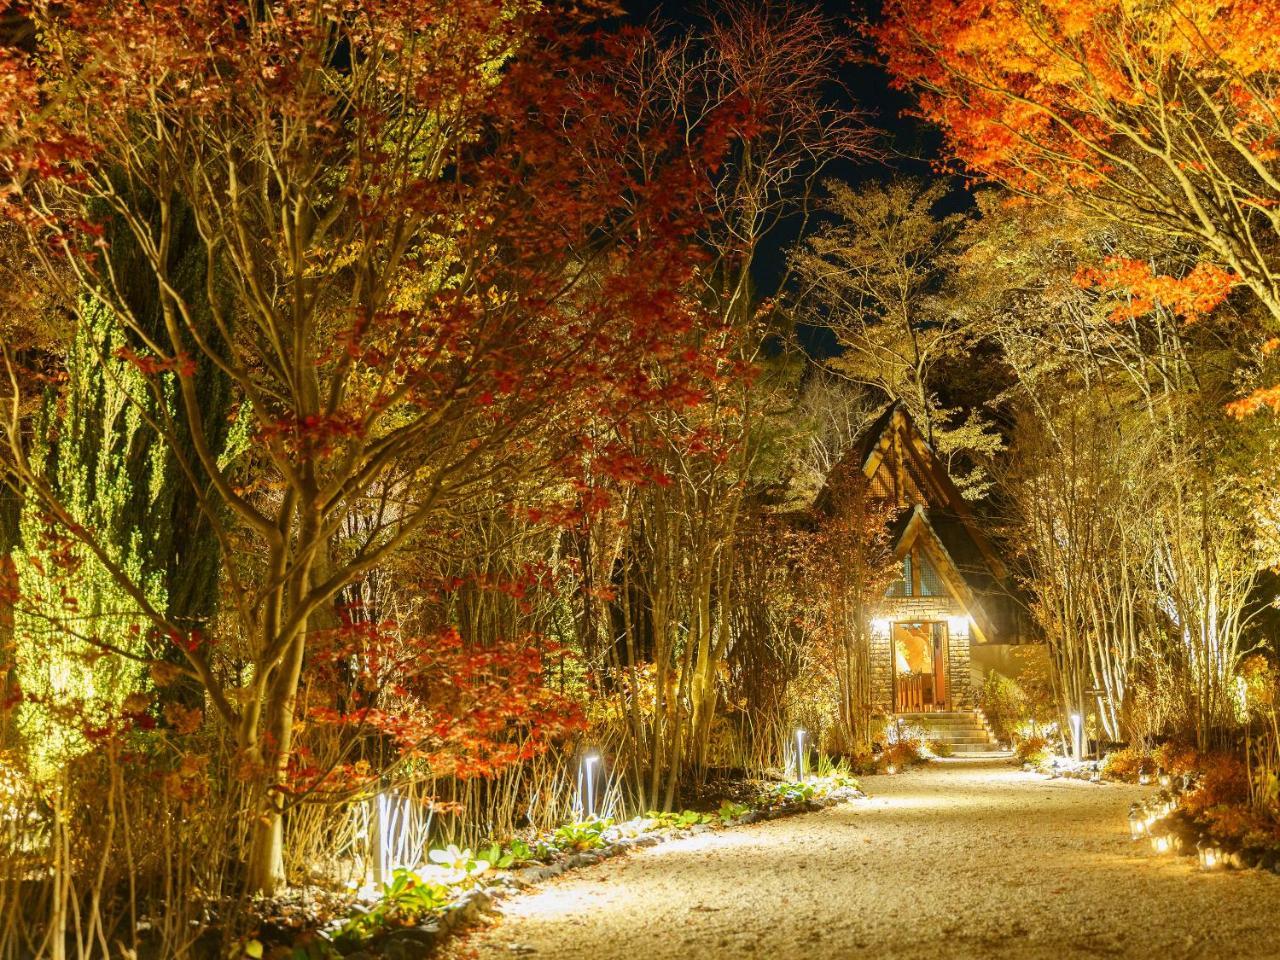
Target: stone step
952 725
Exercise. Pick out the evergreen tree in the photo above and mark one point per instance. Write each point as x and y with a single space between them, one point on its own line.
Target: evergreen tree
92 441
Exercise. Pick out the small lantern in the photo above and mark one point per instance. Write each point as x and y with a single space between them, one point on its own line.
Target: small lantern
1144 779
891 769
1160 843
1166 781
1209 854
1137 823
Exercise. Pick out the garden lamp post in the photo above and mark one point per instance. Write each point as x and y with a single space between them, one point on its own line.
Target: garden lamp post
589 784
800 754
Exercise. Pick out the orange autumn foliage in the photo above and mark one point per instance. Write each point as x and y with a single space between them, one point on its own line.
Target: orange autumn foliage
1189 297
1161 118
1044 94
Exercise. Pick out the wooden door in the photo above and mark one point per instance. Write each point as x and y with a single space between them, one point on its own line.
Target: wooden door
914 666
941 688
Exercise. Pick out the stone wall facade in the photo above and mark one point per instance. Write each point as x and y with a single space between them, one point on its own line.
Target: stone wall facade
920 610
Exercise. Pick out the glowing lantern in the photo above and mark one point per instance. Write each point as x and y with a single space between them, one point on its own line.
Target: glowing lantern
1137 822
1160 843
1210 855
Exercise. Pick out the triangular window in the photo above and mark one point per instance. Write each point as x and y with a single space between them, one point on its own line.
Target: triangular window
931 584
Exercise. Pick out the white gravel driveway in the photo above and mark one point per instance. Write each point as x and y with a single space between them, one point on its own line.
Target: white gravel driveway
967 858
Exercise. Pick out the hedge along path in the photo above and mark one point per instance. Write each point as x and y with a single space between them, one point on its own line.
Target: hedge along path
966 858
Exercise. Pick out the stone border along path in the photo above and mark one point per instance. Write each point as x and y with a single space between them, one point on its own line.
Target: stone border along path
965 858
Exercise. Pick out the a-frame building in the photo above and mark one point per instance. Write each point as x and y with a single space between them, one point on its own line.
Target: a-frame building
954 592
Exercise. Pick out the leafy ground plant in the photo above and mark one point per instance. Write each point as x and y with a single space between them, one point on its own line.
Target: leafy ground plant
464 863
682 820
512 854
406 900
729 810
1033 750
782 794
583 835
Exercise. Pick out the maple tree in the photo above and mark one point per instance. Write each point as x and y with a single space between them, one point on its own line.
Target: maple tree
440 270
845 563
788 120
1160 117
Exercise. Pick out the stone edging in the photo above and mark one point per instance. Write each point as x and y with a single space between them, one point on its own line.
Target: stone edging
414 943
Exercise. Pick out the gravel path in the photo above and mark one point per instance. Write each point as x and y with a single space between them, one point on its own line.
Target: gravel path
967 858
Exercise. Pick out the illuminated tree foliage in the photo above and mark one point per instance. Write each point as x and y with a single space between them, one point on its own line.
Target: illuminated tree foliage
93 447
444 262
1161 117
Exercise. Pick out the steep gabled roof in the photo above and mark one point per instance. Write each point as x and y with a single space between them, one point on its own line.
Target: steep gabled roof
916 530
939 519
940 492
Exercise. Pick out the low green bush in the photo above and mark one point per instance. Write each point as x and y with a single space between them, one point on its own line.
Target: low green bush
939 747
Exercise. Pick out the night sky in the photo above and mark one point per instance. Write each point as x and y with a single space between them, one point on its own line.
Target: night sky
906 145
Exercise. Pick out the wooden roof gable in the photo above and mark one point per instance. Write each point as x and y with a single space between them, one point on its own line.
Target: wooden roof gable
894 443
919 534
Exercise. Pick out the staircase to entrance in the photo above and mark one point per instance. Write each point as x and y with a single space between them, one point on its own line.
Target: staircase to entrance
966 731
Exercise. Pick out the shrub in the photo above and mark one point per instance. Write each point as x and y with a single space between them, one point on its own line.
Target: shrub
862 764
1126 764
1034 751
903 753
1177 758
1224 781
1003 703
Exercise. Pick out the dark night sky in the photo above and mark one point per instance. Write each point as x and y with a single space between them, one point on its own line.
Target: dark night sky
906 146
909 145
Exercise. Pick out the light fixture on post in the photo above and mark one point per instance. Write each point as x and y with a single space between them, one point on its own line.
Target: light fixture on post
958 626
390 831
800 757
589 785
880 626
1077 736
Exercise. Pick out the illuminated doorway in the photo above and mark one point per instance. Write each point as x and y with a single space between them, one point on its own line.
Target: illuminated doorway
920 667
